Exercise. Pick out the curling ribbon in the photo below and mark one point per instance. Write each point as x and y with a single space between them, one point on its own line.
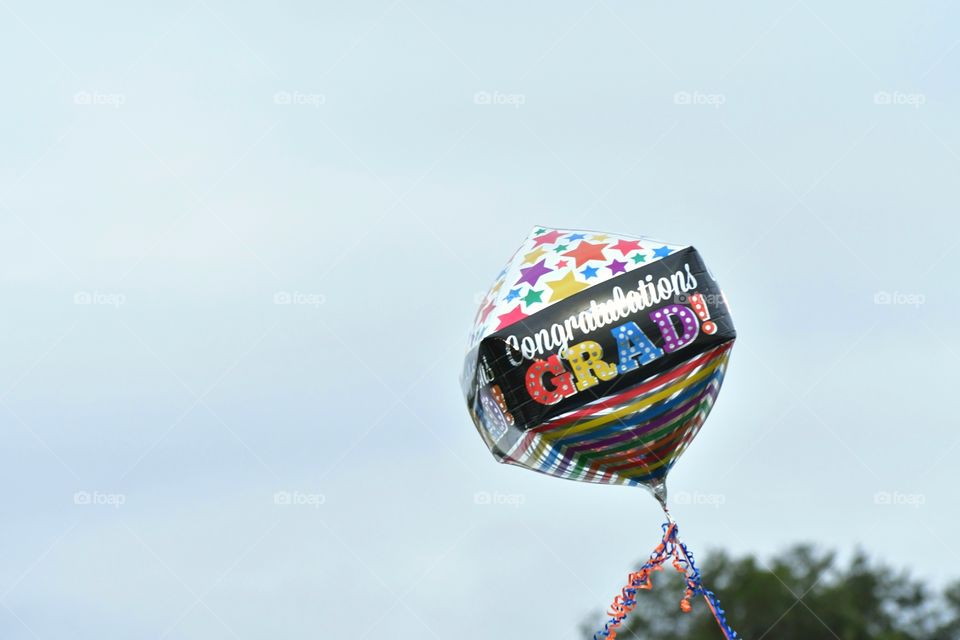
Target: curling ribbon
669 547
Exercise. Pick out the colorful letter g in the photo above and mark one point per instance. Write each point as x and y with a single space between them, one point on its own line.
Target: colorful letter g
561 381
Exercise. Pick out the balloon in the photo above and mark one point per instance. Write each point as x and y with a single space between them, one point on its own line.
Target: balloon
597 357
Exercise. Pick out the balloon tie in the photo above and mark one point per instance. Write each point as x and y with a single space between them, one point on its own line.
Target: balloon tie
669 548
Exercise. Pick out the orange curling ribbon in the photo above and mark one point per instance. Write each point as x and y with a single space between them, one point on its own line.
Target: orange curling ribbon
669 548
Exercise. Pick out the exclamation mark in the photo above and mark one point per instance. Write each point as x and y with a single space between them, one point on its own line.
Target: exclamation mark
700 308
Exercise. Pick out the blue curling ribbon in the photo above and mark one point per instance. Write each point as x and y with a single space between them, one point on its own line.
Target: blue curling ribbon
695 584
669 547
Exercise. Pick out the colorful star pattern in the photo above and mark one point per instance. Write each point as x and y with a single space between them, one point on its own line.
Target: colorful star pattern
585 252
554 264
547 238
532 297
565 287
626 246
485 311
533 256
530 275
507 319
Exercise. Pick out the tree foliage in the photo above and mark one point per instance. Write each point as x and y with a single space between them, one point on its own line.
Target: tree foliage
802 594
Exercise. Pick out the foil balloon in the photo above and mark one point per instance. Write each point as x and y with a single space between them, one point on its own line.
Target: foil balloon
597 357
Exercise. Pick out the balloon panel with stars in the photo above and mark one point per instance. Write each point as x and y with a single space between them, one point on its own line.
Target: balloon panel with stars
553 264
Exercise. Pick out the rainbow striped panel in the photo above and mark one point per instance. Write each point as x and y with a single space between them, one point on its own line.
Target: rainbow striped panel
633 437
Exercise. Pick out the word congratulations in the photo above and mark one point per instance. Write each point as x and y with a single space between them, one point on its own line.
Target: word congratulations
602 314
549 382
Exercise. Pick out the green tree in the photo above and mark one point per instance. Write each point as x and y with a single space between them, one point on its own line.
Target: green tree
802 594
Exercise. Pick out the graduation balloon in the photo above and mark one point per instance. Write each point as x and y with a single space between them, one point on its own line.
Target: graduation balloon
597 357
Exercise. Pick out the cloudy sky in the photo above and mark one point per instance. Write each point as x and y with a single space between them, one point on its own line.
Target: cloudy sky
242 246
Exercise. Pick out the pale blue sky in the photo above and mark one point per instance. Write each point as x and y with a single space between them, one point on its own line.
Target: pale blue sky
170 175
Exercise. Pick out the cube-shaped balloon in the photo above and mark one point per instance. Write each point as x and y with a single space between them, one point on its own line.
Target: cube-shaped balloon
597 357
